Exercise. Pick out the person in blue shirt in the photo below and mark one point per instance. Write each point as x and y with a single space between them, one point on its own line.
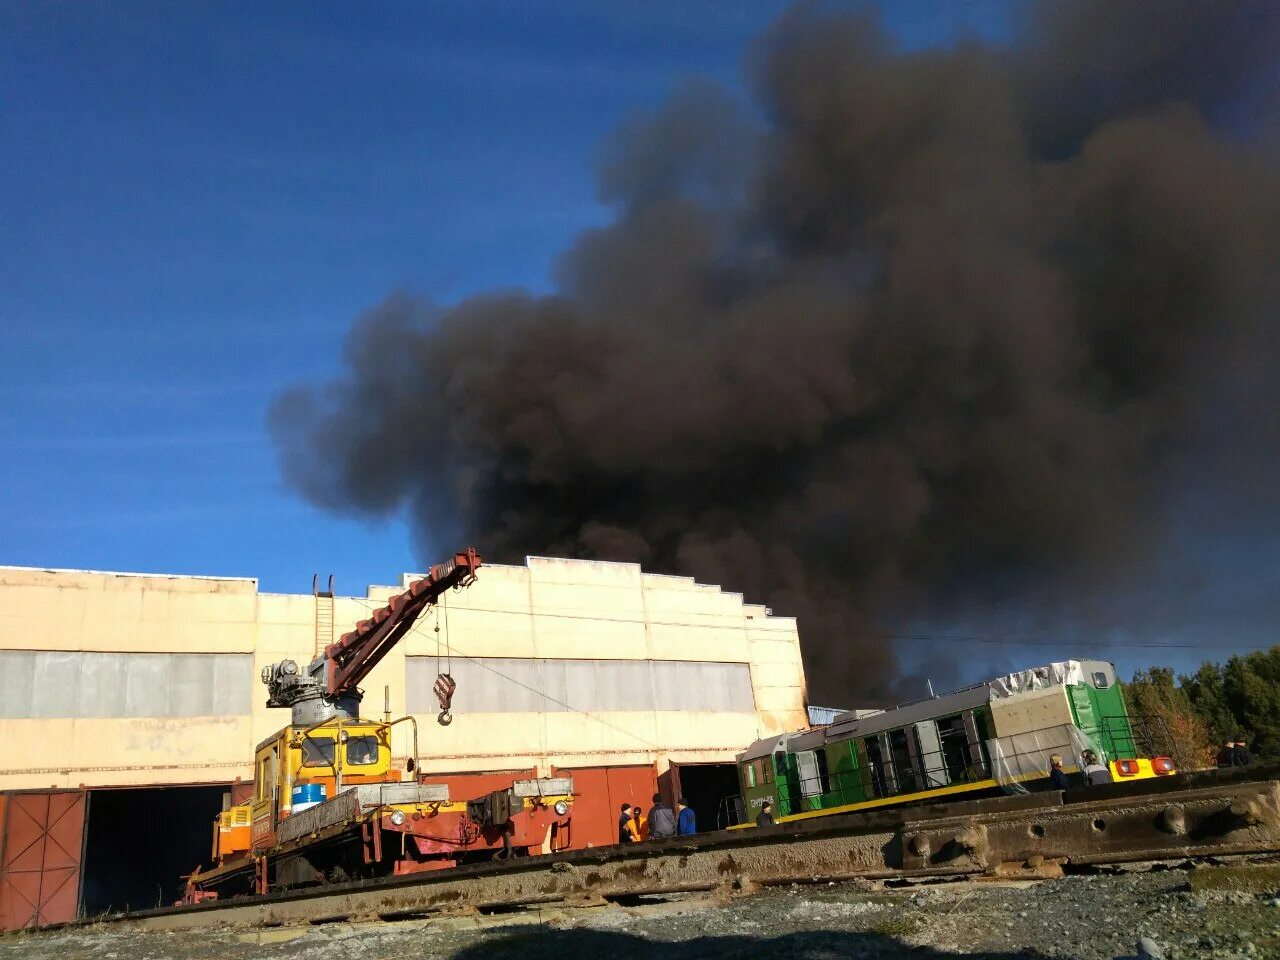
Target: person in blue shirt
686 820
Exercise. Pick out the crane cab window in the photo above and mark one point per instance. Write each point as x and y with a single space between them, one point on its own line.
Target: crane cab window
318 752
361 751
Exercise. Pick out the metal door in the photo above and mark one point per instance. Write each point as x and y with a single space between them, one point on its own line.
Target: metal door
1086 719
40 865
932 761
599 793
810 781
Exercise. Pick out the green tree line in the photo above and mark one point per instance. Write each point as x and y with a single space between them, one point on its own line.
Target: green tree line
1218 702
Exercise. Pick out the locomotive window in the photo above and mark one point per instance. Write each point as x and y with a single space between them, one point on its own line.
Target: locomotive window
362 750
824 778
318 752
751 775
767 766
1100 681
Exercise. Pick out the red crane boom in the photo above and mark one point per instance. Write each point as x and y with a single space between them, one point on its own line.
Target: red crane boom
350 659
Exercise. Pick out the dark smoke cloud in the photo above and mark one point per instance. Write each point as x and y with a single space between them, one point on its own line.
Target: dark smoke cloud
908 331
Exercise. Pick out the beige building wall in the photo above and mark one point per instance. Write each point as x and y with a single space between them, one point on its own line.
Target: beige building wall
546 609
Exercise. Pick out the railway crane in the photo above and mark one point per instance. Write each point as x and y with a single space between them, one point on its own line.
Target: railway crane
329 804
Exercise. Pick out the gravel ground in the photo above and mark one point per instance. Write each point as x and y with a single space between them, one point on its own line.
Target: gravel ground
1202 913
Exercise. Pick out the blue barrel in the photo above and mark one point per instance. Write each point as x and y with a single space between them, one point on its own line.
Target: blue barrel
307 795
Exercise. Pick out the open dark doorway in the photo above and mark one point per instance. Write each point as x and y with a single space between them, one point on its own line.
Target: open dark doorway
139 843
705 786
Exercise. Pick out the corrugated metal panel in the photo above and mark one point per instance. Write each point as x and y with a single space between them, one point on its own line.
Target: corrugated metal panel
51 683
146 691
820 716
741 696
16 670
666 682
580 685
102 687
509 685
54 684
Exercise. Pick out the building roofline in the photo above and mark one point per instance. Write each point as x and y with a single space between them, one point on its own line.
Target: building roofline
130 573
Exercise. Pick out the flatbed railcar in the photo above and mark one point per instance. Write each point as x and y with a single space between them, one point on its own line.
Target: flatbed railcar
376 819
992 737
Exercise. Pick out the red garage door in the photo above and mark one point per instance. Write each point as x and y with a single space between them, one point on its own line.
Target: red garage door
599 793
40 863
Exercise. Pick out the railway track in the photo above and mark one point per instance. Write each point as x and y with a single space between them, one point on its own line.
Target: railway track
1217 813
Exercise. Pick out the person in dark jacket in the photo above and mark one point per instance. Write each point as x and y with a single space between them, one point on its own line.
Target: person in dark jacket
1057 776
1240 755
624 824
1226 756
686 819
765 817
662 819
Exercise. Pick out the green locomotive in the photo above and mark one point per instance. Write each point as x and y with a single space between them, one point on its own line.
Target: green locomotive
993 736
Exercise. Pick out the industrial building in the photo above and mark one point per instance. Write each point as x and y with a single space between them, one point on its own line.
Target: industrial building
130 706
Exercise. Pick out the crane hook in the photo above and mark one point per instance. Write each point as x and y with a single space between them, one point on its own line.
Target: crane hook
444 687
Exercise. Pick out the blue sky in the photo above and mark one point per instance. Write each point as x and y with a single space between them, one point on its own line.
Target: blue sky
197 200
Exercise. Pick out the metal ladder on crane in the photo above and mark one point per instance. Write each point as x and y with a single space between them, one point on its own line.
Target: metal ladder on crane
324 613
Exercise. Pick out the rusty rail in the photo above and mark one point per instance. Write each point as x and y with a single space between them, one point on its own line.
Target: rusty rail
1197 815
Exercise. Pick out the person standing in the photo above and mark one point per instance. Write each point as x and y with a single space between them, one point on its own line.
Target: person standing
639 825
1240 755
1057 776
662 820
1226 756
686 819
624 824
765 817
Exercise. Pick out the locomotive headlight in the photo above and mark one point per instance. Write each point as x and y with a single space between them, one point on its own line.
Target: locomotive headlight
397 817
561 808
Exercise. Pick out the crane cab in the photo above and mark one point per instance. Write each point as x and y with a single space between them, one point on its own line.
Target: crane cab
326 757
331 755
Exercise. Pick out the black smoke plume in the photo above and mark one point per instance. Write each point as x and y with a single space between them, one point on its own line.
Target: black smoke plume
908 330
